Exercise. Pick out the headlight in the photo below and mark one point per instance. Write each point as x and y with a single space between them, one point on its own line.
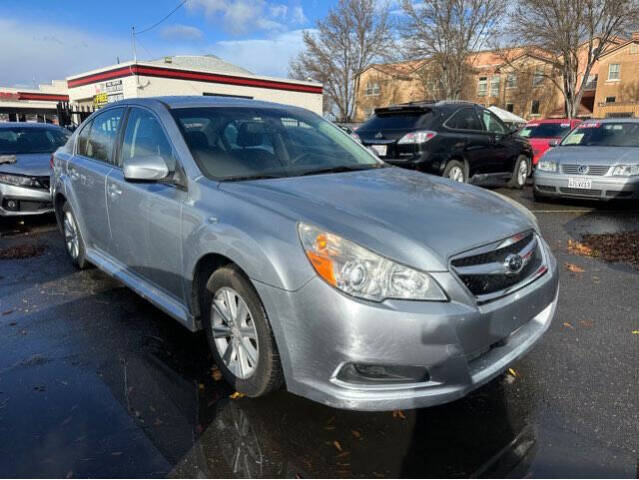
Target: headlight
625 170
546 165
18 180
361 273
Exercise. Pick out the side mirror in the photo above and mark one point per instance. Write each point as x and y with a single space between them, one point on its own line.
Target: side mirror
554 142
141 169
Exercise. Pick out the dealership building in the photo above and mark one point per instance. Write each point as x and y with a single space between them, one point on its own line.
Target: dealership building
177 75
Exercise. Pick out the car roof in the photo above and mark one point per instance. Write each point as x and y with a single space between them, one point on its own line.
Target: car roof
553 120
29 125
192 101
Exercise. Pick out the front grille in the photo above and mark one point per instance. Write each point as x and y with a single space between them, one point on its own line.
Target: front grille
487 275
593 170
581 191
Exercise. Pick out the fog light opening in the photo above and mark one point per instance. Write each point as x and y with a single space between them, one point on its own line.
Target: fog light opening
12 205
370 373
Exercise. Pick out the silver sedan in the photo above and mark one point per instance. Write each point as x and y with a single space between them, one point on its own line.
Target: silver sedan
598 160
306 260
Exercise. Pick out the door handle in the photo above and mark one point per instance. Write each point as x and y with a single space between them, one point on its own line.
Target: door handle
114 190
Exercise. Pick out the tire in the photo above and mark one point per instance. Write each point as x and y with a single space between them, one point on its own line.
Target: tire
73 241
455 171
520 173
252 366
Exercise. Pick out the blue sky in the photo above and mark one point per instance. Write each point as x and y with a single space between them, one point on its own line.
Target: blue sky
43 40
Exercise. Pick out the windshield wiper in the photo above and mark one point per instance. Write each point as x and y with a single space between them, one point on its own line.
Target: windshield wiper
238 178
341 169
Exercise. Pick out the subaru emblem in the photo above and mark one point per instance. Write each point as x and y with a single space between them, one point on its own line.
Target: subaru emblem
583 169
513 264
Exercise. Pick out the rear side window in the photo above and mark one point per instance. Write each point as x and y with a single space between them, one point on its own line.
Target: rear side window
104 130
397 121
145 137
464 119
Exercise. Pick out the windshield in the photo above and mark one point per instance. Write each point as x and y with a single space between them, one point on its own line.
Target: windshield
244 143
545 130
599 134
18 140
395 121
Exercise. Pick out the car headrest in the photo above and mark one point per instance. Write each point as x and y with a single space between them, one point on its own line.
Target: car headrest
251 134
197 140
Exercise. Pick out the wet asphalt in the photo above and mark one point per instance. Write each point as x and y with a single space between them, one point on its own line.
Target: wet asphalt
96 382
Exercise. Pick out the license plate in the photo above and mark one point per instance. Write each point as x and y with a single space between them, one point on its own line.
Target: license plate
584 183
379 150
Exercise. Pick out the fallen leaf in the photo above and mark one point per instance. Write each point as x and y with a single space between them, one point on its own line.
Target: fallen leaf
571 267
587 323
512 372
236 395
356 433
635 332
567 325
337 445
399 414
579 248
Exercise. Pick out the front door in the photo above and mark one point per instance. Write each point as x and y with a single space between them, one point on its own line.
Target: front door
145 216
88 172
499 154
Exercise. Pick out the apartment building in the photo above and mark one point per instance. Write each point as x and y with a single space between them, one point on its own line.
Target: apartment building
516 80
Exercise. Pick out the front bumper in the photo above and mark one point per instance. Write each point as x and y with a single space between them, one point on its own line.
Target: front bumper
462 345
29 201
603 187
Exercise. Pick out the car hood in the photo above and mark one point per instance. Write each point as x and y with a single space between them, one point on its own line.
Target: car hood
35 164
593 155
413 218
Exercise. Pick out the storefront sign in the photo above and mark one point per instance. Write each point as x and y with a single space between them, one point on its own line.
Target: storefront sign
100 100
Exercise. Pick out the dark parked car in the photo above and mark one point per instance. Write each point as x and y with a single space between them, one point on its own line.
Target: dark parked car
459 140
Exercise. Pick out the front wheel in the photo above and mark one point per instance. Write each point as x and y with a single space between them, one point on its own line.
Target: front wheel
455 171
240 335
520 173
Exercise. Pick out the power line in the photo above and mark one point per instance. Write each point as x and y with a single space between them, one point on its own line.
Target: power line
164 18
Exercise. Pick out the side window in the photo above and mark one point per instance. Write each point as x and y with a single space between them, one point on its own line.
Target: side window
104 129
492 123
83 138
144 137
464 119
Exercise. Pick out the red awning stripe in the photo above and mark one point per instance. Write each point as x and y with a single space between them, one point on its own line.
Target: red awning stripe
51 97
191 75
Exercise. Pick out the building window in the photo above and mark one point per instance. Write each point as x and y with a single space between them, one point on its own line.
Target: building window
510 107
494 86
613 71
511 80
372 89
591 83
534 109
634 48
610 99
538 77
481 87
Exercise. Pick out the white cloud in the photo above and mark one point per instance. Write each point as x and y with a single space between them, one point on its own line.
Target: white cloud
182 32
262 56
59 53
278 10
298 15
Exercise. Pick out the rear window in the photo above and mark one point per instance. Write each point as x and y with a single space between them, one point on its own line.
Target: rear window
545 130
396 121
19 140
598 134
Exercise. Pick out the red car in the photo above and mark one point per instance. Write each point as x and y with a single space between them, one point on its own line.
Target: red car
541 132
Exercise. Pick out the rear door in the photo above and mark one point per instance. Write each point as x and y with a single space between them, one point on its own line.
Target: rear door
145 216
88 171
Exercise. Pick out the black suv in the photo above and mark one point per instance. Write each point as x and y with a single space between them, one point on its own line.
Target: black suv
459 140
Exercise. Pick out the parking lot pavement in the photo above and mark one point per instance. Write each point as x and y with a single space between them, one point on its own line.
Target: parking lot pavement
94 381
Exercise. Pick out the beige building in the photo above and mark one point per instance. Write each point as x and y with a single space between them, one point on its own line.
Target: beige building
514 80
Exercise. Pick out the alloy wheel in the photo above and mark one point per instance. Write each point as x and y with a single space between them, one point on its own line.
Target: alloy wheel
522 173
234 332
71 236
456 174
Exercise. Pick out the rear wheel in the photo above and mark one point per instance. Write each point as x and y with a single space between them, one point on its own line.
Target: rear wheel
73 238
455 171
520 173
240 335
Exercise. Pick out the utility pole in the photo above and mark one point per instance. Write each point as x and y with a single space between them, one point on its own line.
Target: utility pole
135 55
